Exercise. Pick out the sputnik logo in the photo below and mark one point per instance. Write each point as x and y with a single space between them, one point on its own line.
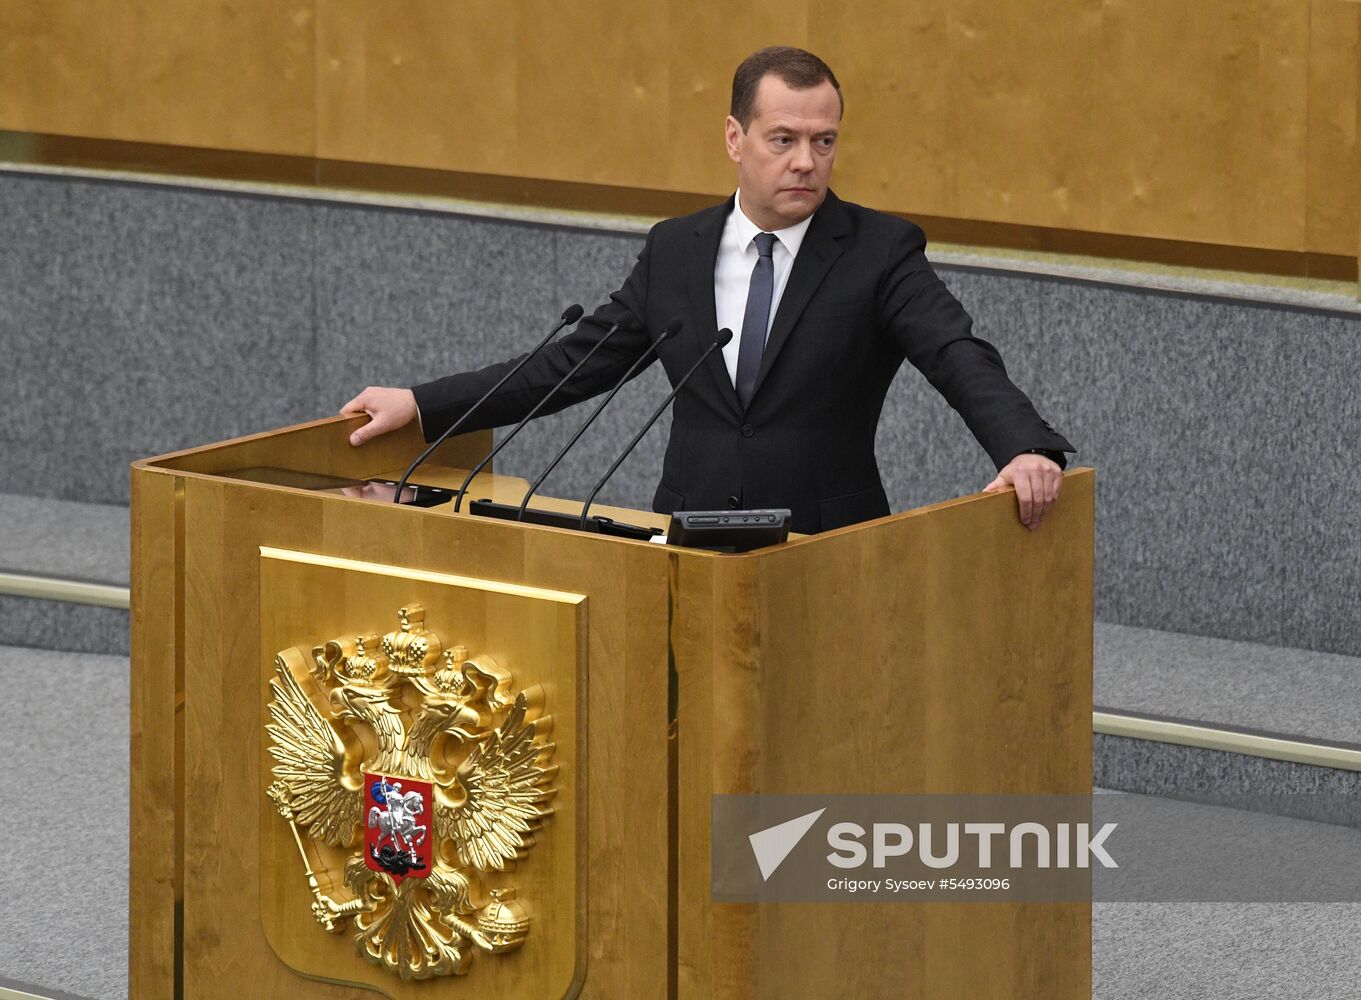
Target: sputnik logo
773 844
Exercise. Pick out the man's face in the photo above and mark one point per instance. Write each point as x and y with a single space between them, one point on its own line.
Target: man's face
784 158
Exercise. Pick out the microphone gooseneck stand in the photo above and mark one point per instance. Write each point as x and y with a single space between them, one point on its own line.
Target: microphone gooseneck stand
720 341
496 450
569 316
669 331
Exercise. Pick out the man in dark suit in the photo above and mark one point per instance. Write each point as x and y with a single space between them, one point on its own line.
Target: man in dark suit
826 299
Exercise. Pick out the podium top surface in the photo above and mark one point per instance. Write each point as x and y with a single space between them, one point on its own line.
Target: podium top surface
322 448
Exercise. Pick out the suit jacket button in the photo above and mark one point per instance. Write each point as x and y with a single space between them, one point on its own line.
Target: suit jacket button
734 503
748 430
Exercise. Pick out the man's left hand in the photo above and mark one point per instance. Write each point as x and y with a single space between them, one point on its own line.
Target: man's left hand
1037 480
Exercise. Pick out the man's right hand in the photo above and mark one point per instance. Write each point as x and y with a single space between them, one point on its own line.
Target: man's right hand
388 410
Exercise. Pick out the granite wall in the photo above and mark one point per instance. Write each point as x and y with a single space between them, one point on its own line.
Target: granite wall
136 319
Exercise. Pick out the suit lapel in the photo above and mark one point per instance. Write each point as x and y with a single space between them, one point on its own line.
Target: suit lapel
821 247
708 233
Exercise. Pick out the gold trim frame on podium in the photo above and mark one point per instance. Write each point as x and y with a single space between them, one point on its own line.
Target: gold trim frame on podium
559 709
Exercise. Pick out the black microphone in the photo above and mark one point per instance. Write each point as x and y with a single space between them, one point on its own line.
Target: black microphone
569 316
719 343
669 331
458 500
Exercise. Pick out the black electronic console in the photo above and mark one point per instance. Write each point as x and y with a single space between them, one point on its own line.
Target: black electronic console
557 519
728 530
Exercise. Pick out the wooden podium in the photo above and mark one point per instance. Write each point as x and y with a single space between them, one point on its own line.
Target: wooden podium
623 684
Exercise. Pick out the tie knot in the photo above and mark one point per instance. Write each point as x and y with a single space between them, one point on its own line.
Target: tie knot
765 243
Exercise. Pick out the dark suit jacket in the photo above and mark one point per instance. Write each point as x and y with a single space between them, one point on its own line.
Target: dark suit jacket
860 299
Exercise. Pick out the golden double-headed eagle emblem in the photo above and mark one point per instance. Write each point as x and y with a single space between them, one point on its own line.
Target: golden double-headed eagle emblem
433 767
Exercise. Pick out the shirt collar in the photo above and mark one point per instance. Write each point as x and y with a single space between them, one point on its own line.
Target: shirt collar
791 237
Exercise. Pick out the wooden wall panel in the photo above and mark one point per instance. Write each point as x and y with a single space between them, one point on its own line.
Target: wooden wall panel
1331 215
1204 111
596 94
704 43
234 74
1230 122
949 103
428 84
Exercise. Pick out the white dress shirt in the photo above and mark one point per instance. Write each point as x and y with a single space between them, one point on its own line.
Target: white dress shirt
732 273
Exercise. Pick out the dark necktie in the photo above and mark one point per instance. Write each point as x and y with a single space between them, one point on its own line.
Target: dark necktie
756 319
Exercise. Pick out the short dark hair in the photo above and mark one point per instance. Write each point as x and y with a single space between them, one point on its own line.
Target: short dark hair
798 68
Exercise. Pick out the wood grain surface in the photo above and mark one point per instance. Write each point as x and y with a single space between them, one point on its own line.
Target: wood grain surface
943 650
1230 122
946 649
620 936
156 697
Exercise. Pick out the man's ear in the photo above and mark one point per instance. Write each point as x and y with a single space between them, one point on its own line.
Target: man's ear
732 138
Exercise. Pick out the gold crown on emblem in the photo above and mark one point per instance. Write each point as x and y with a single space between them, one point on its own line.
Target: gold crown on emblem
361 665
450 679
413 650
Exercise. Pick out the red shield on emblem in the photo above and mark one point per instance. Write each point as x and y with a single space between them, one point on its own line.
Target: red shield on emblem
397 835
